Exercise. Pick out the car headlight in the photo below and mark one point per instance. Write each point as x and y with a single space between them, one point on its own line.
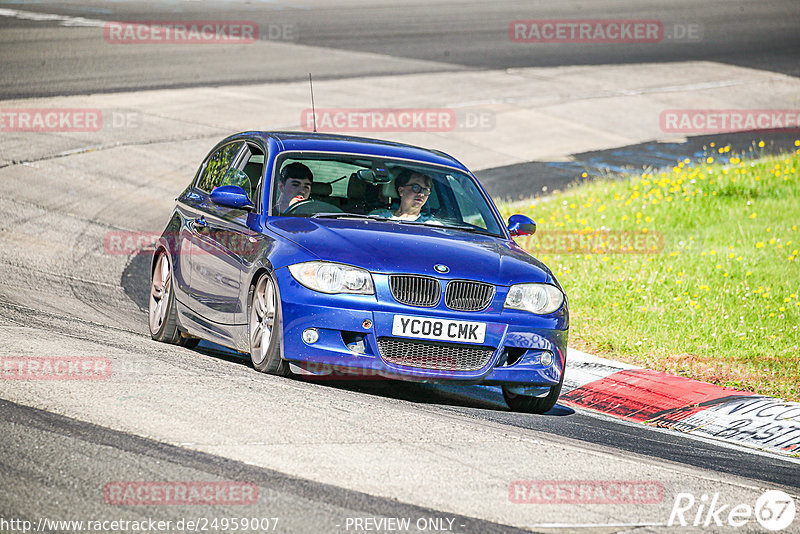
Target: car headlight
540 299
329 277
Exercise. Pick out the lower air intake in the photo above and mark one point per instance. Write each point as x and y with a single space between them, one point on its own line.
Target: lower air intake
432 355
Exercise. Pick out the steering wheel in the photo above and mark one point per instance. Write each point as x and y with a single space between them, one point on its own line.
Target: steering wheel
311 206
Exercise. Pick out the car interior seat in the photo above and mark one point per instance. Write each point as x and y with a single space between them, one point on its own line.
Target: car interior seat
356 195
322 191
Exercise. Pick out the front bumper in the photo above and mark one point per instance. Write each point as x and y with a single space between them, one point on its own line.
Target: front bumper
350 327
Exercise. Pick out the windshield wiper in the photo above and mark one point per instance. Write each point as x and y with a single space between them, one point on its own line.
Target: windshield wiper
465 228
429 224
348 216
472 229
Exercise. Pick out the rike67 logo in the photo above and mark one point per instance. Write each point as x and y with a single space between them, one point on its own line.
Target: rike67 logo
774 510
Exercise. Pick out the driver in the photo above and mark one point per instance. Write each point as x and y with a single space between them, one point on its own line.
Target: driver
294 186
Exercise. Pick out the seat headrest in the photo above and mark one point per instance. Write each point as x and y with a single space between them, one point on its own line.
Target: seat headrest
320 189
356 187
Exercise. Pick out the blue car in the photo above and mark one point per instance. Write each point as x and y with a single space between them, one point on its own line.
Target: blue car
316 253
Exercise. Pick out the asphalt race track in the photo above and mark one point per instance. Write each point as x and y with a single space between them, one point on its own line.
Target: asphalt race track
48 59
339 456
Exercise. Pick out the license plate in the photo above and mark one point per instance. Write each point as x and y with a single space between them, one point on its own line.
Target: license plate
438 329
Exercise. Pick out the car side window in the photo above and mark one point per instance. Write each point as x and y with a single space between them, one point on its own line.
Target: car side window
471 211
219 162
253 169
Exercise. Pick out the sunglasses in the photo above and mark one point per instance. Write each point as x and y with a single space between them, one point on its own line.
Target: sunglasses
416 188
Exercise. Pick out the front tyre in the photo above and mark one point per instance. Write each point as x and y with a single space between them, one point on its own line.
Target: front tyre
265 327
162 313
529 404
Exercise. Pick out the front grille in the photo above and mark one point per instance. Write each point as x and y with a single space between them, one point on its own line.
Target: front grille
415 290
463 295
431 355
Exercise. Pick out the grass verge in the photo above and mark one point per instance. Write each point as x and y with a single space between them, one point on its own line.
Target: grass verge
692 271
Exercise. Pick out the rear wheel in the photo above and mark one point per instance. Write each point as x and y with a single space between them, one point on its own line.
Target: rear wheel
529 404
162 312
265 328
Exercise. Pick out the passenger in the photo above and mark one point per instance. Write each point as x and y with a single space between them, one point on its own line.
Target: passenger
414 189
294 185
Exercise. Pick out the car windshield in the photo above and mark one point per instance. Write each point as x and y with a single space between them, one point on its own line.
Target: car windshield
398 191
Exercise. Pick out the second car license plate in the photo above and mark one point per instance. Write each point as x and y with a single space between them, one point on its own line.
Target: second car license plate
439 329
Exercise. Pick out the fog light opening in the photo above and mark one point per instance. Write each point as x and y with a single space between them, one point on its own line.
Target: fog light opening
310 335
354 341
510 356
547 359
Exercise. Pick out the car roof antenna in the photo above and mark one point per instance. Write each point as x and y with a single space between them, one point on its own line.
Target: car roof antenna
313 110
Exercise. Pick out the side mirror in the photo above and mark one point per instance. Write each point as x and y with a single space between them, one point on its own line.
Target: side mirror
378 176
231 196
521 225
